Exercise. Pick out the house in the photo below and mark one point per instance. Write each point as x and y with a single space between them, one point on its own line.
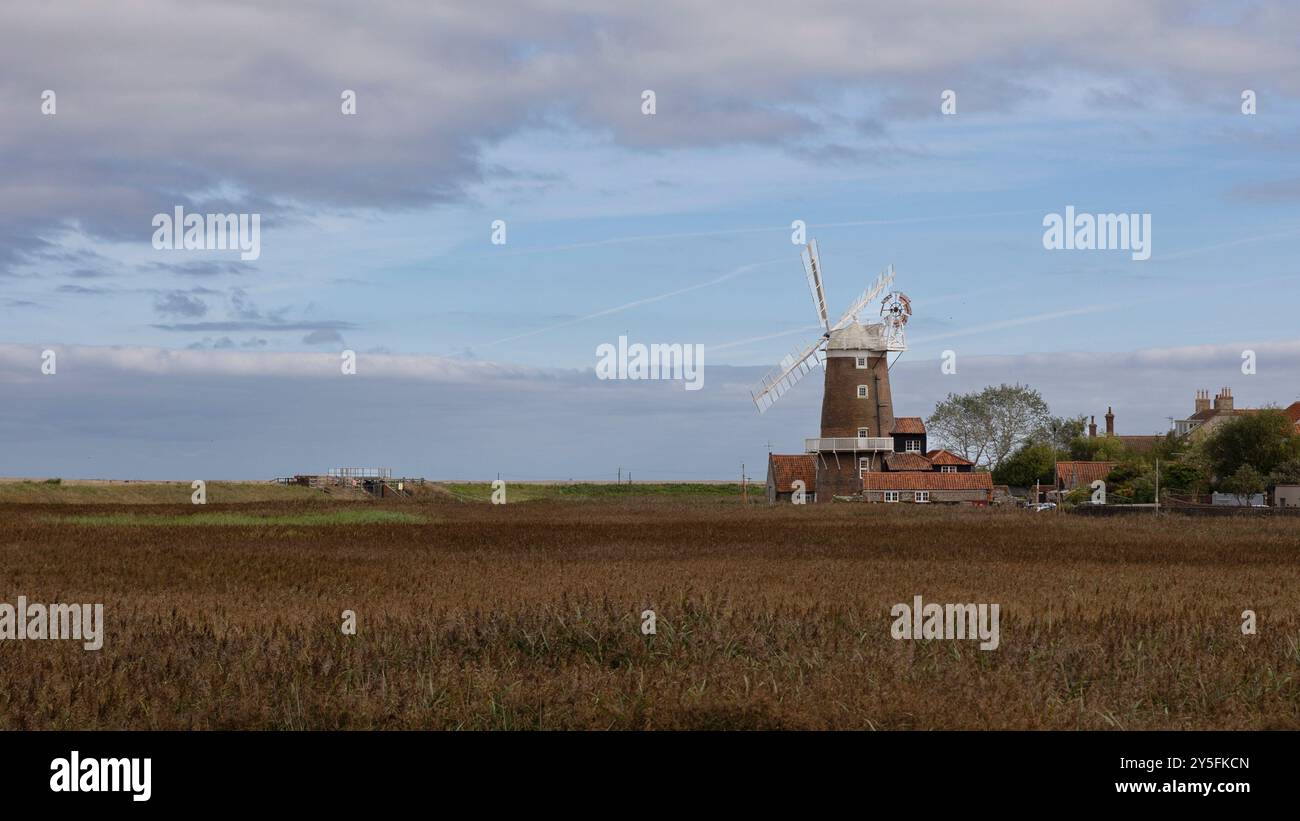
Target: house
1286 495
1071 475
914 474
919 486
1207 415
910 454
945 461
782 473
907 473
909 435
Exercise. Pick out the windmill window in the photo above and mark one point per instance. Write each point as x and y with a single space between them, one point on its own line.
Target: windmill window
891 495
862 391
862 362
922 496
912 446
863 433
864 466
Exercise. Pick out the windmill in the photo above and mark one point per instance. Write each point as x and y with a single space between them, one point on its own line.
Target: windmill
857 405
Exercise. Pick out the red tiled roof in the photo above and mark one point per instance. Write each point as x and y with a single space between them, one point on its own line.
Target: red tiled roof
908 424
1292 412
1206 415
1078 474
915 480
908 461
785 469
1140 443
947 457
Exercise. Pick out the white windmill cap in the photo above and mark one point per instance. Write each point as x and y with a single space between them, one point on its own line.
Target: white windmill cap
858 337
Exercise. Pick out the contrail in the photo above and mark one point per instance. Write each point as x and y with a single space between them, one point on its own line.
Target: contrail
1011 323
738 342
1230 244
729 231
735 272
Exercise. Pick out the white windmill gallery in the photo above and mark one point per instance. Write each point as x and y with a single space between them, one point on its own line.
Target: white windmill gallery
864 452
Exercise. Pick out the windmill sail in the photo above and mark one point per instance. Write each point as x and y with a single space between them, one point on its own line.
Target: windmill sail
813 267
851 315
786 375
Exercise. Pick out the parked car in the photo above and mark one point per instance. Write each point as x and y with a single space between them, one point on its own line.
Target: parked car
1039 508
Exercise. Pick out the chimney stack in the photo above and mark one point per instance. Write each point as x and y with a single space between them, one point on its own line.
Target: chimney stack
1092 427
1223 401
1110 422
1202 401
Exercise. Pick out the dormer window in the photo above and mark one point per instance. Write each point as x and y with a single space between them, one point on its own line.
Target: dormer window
912 446
862 391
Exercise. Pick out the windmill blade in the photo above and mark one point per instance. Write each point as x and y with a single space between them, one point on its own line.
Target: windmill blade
786 375
882 282
813 267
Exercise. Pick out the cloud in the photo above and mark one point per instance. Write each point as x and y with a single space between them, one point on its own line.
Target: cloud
324 336
172 362
240 325
200 268
1268 192
725 73
232 413
179 303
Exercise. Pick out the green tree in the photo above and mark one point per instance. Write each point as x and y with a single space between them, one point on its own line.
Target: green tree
1098 449
1182 477
1172 448
1059 431
1261 440
1286 473
1029 464
988 426
1124 473
1244 483
1142 490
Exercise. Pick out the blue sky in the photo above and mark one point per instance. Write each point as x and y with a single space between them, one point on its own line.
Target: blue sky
667 228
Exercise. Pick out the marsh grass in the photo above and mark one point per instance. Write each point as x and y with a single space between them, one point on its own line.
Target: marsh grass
236 519
526 616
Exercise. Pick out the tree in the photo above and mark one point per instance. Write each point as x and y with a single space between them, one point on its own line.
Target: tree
1098 449
1030 464
1142 491
1262 440
1060 431
1244 483
1179 476
1171 448
1286 473
987 426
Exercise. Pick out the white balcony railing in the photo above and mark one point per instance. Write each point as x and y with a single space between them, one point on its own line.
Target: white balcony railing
849 443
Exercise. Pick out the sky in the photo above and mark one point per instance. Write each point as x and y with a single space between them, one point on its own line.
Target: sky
476 359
